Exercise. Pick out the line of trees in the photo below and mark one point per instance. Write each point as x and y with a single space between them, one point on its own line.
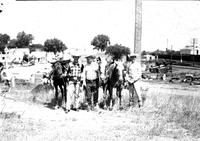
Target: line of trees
24 40
100 42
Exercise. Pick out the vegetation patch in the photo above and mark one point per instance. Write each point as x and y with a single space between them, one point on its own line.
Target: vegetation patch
181 111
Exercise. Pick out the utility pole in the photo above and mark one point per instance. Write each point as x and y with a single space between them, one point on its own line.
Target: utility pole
138 28
171 52
193 43
167 43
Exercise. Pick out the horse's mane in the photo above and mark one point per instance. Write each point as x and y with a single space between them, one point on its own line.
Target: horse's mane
114 75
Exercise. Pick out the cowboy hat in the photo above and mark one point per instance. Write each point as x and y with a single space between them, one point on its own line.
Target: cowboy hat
76 56
90 57
133 55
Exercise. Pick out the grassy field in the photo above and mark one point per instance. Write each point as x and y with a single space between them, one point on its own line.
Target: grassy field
170 112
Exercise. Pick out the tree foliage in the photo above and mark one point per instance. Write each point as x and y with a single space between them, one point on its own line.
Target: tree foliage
12 43
23 40
34 47
4 39
100 42
117 51
144 52
54 45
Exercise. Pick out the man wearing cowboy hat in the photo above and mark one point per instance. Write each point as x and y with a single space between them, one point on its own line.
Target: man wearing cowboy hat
91 78
133 77
75 77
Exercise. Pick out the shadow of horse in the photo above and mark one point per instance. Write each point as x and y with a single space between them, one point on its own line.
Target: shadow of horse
44 94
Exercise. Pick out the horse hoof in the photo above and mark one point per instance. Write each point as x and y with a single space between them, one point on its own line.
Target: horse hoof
140 104
120 108
57 107
110 108
76 109
67 111
64 108
88 109
105 108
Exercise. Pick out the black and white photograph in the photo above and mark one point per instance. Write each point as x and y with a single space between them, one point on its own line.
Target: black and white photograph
99 70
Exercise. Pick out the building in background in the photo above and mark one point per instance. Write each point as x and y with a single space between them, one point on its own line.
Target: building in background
190 50
148 57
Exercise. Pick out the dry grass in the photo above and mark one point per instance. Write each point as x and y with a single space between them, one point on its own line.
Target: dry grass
42 93
13 128
181 113
164 115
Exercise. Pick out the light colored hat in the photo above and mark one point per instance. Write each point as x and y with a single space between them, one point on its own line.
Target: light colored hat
76 56
67 57
90 57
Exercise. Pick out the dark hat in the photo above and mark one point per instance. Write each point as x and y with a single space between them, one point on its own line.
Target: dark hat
133 55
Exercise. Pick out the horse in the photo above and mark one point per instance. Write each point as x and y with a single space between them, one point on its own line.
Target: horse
112 81
60 79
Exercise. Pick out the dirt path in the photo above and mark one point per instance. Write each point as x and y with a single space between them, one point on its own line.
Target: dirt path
35 122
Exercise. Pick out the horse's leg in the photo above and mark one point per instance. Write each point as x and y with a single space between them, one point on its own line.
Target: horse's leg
61 89
56 95
65 94
105 88
96 98
130 94
110 96
119 94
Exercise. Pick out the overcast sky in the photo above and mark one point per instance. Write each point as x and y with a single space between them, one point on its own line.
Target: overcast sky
77 22
175 21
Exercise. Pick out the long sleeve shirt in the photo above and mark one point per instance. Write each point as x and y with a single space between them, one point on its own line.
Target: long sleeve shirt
134 72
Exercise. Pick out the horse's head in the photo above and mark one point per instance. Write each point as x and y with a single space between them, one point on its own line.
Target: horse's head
57 69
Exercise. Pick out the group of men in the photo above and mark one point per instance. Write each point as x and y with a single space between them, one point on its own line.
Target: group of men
91 75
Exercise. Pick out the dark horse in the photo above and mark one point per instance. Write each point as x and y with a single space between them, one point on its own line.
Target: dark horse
60 79
112 81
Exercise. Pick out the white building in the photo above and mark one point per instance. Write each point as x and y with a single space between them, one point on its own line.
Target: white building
190 50
41 56
148 57
16 54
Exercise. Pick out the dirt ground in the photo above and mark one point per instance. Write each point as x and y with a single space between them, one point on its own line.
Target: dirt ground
22 120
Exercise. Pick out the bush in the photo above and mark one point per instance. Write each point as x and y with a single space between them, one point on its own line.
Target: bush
117 51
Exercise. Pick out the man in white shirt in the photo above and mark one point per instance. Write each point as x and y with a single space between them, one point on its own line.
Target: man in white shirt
91 80
133 77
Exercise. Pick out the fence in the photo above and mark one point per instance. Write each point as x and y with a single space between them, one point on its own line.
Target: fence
183 60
